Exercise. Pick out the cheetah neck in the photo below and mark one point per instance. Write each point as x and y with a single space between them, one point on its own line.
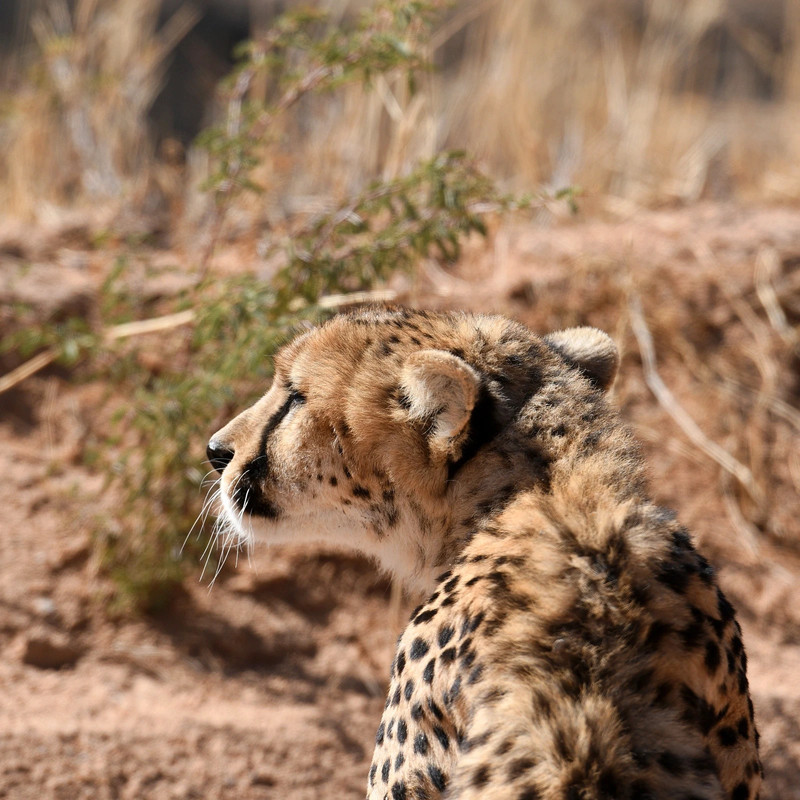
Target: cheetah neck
578 457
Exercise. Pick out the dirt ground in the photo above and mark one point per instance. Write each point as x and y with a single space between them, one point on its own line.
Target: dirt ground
270 684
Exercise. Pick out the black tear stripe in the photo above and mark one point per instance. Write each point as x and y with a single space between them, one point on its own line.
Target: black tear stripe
247 495
483 428
259 466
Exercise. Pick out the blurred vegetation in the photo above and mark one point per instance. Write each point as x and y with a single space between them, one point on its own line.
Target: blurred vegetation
649 100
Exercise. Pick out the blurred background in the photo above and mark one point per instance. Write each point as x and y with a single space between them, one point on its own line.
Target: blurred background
651 100
184 184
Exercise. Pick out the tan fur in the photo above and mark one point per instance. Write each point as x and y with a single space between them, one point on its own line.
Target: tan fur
575 646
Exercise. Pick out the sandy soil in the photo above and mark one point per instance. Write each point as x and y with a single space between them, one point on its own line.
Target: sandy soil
271 684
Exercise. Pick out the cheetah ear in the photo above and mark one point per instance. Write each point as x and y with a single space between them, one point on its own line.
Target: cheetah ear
441 388
590 350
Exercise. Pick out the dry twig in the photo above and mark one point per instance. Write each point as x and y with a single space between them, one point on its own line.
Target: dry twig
668 402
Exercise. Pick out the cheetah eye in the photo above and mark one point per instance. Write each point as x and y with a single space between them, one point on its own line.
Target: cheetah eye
295 397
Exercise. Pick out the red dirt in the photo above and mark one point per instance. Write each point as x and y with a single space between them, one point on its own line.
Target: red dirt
270 685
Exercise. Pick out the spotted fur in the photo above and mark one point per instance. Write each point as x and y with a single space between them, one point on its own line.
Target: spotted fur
573 644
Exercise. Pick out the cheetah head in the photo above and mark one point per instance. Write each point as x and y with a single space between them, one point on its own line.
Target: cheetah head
371 433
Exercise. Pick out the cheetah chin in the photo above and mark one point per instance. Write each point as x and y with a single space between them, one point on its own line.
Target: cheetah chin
572 644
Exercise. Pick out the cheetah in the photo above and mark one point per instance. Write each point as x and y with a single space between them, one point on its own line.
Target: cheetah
573 644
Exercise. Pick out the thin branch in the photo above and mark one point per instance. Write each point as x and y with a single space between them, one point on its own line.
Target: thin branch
47 357
150 325
668 402
767 266
332 301
31 367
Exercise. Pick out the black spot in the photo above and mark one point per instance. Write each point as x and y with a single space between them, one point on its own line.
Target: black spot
451 584
427 675
416 712
389 729
505 747
449 600
449 655
438 778
699 711
399 761
706 571
641 681
672 763
674 575
743 728
743 684
731 661
445 634
396 697
740 792
704 764
657 631
435 710
361 491
419 647
519 767
465 745
379 735
481 777
727 736
454 692
725 609
425 616
347 473
400 663
444 739
529 793
470 624
713 656
385 770
409 690
641 791
692 634
421 744
372 770
319 477
399 791
608 784
475 675
402 731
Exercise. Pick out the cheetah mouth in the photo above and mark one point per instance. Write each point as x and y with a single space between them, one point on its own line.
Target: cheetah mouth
246 500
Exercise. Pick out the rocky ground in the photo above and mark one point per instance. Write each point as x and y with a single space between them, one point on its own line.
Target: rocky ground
270 684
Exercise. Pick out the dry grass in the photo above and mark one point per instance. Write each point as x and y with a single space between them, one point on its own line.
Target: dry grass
650 100
611 96
76 131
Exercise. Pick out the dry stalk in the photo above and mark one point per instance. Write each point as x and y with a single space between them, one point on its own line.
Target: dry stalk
668 402
767 265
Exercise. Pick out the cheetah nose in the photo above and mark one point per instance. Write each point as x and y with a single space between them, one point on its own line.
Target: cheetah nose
219 455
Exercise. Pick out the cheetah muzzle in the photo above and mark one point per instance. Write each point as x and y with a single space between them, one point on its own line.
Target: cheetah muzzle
573 644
